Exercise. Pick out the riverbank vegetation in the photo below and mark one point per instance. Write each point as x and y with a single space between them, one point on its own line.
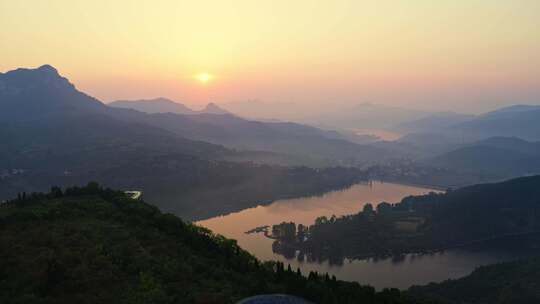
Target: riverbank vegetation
511 282
419 224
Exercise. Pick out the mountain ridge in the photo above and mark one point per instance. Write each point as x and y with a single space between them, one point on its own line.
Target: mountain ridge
155 105
30 93
66 137
165 105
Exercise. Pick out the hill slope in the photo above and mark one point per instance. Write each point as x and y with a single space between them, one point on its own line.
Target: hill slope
89 245
28 94
434 122
158 105
515 121
499 157
52 133
509 283
322 147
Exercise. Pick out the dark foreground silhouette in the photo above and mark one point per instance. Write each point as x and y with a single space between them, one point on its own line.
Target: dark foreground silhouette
93 245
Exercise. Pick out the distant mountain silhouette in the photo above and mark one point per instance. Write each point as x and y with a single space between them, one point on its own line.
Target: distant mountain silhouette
434 122
157 105
498 156
43 100
164 105
58 135
512 143
212 108
510 111
37 93
365 115
327 115
44 92
212 124
521 121
270 111
316 146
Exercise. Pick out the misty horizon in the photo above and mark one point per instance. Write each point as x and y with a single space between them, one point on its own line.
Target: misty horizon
467 57
451 104
332 107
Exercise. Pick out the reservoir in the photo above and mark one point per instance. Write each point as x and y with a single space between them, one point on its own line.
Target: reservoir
408 270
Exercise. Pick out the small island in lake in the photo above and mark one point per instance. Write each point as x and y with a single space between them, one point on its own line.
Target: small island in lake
419 224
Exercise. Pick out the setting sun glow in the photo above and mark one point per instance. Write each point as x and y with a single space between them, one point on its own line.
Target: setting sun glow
420 53
204 77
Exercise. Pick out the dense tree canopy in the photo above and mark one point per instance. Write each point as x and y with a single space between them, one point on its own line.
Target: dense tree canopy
435 221
94 245
512 282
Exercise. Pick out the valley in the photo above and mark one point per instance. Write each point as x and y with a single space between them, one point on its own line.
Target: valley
366 209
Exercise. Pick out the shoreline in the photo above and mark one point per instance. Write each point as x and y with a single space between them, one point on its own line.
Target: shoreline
428 251
288 197
419 185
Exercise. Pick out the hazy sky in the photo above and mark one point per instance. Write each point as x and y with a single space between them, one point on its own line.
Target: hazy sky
448 54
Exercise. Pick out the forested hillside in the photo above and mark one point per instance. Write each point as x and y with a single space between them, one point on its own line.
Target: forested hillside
94 245
505 283
436 221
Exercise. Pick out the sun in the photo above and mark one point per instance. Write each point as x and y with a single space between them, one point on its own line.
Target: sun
204 77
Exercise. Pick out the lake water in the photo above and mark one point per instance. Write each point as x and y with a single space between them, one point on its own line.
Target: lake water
379 133
411 270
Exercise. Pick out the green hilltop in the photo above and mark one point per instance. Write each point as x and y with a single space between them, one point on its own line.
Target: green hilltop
95 245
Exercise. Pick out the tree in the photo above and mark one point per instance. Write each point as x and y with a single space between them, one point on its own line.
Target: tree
321 220
384 208
368 208
301 233
56 192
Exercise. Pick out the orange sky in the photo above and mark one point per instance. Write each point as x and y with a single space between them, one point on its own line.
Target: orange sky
462 55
